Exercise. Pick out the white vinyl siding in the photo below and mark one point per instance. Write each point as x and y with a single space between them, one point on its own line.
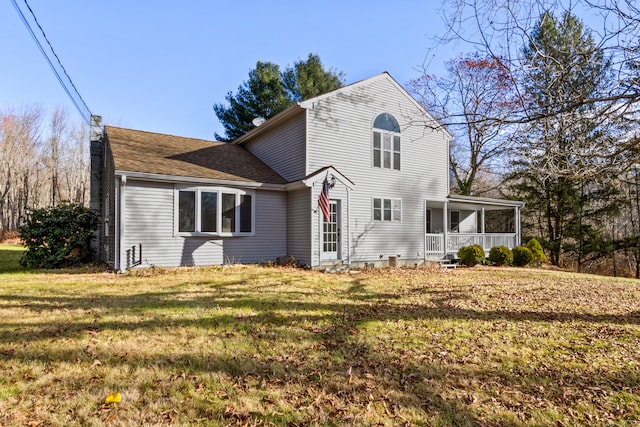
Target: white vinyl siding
283 149
340 133
270 238
299 213
150 221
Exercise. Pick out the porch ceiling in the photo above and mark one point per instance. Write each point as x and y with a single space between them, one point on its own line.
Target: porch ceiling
456 202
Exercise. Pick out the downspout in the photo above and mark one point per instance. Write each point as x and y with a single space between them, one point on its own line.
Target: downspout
116 225
121 222
319 230
348 227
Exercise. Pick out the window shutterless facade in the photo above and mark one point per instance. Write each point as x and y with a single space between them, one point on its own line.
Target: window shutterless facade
387 209
215 211
386 142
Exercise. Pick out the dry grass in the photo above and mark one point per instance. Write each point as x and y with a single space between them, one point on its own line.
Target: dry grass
273 346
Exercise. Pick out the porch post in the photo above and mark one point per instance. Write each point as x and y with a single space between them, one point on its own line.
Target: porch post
517 225
445 227
484 243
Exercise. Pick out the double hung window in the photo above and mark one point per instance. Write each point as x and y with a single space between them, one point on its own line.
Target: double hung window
387 209
386 142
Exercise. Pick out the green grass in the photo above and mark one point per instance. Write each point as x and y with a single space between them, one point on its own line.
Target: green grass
9 257
273 346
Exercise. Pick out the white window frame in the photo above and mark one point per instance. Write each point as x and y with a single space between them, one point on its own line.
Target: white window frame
395 209
391 151
198 223
451 221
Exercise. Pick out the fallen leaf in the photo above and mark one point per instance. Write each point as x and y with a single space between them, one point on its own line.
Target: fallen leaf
113 398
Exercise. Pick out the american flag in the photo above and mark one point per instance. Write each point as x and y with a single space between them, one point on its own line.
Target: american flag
323 200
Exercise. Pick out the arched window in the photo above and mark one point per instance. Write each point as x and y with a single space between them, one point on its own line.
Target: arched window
386 142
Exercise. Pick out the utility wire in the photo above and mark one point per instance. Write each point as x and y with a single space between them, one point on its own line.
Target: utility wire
86 113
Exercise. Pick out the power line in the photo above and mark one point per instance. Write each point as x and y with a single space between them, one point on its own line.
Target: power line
86 113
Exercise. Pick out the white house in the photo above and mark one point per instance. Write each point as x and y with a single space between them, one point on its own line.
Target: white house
170 201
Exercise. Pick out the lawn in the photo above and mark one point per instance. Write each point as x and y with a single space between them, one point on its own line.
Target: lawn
248 345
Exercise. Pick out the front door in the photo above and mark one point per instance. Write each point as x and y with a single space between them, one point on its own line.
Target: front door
331 233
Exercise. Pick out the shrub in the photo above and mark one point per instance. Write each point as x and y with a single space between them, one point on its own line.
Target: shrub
471 255
522 256
536 250
58 236
500 255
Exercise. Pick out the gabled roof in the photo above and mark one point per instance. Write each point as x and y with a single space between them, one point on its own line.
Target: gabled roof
299 106
173 156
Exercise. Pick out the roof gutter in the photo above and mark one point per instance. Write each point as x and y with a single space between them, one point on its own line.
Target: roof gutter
184 179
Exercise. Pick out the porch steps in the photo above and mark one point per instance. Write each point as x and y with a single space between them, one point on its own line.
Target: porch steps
333 267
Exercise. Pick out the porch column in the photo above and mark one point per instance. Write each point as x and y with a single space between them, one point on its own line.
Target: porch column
517 225
484 243
445 227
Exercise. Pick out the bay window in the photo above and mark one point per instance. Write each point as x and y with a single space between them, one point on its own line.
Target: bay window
216 211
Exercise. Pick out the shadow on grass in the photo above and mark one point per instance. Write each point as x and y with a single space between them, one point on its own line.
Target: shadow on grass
393 376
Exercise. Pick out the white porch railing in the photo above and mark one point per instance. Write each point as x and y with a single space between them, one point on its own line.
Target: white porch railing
434 243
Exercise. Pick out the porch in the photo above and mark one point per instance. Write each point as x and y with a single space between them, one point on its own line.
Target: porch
464 220
434 243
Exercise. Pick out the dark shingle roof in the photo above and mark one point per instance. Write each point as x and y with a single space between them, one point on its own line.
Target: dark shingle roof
154 153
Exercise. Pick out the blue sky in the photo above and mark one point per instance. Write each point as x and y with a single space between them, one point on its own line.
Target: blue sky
161 65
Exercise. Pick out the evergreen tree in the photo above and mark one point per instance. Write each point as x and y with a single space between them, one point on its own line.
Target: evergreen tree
270 91
307 79
553 171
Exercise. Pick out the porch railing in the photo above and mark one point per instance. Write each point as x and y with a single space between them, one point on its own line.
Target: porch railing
434 243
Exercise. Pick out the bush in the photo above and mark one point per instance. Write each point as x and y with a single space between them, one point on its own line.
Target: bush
58 236
522 256
500 255
471 255
536 250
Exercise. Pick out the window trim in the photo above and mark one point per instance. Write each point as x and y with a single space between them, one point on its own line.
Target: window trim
428 220
198 211
395 204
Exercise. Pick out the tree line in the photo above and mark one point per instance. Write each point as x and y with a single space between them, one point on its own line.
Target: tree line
545 110
44 161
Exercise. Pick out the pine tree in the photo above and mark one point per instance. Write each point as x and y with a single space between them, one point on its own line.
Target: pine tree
553 171
270 91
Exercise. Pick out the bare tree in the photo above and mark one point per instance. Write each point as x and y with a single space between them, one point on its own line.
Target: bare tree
19 138
500 29
57 135
40 165
475 98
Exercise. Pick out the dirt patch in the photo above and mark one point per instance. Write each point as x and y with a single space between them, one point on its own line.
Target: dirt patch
10 237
